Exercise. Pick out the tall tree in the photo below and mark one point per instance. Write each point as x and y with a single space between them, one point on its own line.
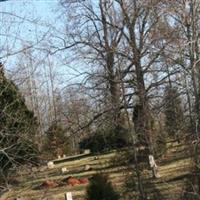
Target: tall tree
173 111
146 44
185 15
97 45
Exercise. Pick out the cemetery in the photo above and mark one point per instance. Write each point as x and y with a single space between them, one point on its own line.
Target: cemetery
99 100
52 184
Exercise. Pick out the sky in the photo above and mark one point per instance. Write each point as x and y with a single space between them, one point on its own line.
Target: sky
25 22
39 11
43 12
41 7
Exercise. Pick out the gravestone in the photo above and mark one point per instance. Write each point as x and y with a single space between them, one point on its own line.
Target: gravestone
50 165
96 157
64 156
68 196
153 166
87 167
59 157
87 151
64 170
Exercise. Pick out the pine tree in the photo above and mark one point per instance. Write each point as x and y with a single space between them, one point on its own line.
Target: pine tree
101 189
173 111
57 142
18 127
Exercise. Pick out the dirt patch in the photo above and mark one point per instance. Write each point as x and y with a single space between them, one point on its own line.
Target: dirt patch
71 181
48 185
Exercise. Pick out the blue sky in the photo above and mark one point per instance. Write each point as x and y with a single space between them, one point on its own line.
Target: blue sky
44 11
42 8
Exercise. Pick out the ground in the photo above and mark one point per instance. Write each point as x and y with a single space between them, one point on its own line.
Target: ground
174 168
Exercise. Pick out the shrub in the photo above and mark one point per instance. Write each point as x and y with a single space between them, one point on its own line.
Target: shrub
18 128
106 140
57 143
173 111
101 189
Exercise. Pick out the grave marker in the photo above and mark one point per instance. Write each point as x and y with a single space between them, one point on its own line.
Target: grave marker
64 169
68 196
50 165
87 167
87 151
153 166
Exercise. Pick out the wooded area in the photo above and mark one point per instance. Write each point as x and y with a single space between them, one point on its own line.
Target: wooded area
105 75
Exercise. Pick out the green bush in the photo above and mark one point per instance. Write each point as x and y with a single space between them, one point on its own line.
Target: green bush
101 189
173 111
57 142
106 140
18 128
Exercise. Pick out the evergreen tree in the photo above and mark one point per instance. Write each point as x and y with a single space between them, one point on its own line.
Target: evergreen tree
57 142
101 189
173 111
18 127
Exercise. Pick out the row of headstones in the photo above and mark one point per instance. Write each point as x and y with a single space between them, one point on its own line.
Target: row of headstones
152 163
51 165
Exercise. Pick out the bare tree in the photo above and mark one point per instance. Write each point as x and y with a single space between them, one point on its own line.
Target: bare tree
146 46
186 49
97 45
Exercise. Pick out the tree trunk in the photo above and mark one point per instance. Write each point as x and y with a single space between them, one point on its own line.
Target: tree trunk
142 121
114 90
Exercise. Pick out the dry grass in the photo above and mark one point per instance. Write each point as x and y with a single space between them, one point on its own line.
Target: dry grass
172 171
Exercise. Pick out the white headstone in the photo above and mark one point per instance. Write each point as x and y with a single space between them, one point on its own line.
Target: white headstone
50 165
87 167
87 151
64 156
68 196
96 158
153 166
64 169
152 161
59 157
